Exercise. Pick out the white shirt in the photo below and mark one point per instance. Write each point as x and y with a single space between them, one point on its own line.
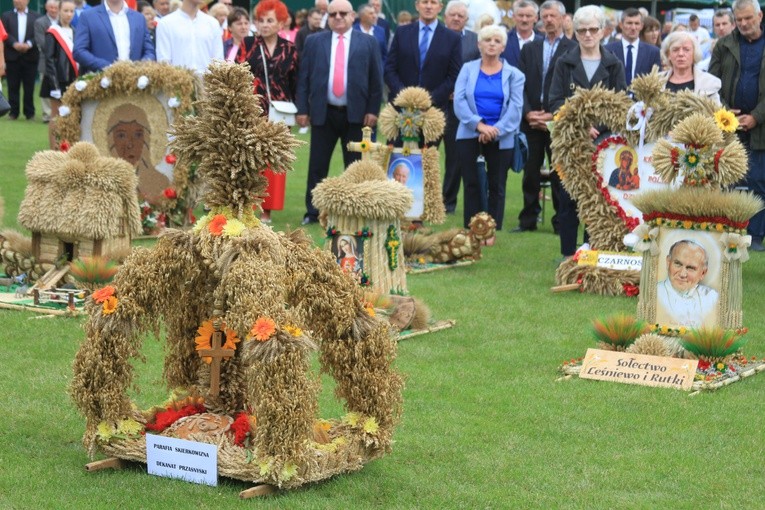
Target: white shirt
626 43
331 97
693 309
522 41
121 29
701 34
191 43
22 17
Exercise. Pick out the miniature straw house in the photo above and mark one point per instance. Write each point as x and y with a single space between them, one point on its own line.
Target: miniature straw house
365 208
79 203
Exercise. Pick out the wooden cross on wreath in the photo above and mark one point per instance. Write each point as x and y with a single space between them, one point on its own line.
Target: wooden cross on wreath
217 353
366 146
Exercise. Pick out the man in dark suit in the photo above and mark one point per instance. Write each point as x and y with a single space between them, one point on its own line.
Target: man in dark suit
425 54
525 15
95 44
455 18
380 20
638 57
311 26
21 55
366 23
537 63
339 91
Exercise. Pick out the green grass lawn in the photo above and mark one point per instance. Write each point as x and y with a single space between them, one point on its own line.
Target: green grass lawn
485 423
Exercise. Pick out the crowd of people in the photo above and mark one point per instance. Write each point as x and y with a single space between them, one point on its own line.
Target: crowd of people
338 65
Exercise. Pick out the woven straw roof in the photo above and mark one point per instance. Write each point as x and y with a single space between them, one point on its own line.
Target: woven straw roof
80 194
363 190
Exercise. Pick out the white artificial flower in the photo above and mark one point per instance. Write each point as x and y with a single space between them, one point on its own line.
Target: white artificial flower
173 102
735 246
143 82
630 240
63 111
105 82
80 85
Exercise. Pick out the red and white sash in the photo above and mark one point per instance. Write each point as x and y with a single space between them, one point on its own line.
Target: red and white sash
66 45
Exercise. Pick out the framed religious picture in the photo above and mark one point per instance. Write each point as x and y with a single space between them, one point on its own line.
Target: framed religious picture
408 171
127 111
623 171
688 283
349 253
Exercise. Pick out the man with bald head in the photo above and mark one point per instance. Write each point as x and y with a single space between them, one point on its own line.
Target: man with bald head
339 91
682 299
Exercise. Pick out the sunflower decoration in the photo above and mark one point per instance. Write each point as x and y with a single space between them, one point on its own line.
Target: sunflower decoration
204 338
726 120
700 154
412 115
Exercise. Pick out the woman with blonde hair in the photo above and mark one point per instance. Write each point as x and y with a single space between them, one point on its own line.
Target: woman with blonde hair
488 101
680 52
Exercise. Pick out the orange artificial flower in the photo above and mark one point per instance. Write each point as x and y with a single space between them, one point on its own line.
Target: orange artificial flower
216 224
263 329
103 294
110 305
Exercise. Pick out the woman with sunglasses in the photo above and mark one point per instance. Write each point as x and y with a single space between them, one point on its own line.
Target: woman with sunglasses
585 66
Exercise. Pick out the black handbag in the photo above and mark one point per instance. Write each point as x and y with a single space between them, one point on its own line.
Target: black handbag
5 106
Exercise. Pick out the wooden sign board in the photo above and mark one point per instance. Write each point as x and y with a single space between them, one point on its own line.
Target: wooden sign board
638 369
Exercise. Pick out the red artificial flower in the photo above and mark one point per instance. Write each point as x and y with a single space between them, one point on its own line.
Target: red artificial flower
164 419
171 159
216 224
241 428
704 365
631 290
170 193
64 146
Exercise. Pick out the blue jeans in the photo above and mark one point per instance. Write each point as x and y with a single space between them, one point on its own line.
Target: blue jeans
755 181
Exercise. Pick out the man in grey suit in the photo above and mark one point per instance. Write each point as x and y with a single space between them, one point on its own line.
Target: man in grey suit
42 24
339 91
455 18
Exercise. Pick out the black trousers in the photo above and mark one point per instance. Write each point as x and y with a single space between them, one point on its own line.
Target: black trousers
323 140
452 172
539 146
21 73
498 161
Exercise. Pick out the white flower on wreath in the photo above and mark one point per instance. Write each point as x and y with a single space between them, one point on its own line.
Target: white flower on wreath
63 111
105 82
80 85
143 82
645 239
173 102
735 246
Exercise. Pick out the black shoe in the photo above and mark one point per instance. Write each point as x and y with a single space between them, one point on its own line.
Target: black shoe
307 220
518 230
757 245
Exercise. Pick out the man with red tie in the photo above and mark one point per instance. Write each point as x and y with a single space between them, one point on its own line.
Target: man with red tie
339 91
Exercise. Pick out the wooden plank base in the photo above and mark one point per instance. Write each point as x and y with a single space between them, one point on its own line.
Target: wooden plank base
110 463
257 491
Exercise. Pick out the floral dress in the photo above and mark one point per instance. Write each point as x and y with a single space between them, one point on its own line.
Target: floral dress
282 80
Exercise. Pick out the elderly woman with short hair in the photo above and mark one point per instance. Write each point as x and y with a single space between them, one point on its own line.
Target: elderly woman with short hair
680 52
488 100
586 65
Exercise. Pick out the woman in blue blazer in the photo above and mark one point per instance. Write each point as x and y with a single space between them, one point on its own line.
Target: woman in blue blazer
488 101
